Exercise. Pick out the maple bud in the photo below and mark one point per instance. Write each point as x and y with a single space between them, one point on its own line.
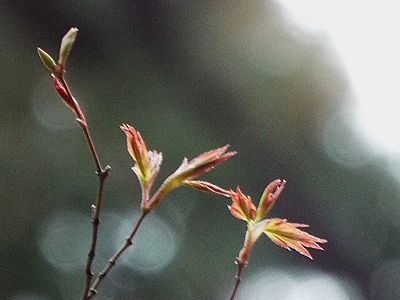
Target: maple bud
242 206
69 100
284 234
199 165
66 45
147 163
205 186
47 60
269 197
189 170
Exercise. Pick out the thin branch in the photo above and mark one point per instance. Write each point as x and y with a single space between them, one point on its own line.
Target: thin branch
95 218
61 86
102 174
89 140
236 283
112 261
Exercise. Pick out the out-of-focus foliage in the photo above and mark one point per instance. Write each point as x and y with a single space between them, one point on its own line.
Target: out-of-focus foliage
190 76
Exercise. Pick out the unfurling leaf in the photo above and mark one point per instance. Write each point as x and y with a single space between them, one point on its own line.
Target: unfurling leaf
147 163
138 150
289 236
189 170
205 186
242 206
199 165
269 197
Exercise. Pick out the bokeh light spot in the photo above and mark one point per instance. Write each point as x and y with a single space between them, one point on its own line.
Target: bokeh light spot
298 284
155 245
49 109
64 239
272 284
316 286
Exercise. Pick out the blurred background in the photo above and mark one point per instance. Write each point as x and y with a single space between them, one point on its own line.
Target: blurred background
303 90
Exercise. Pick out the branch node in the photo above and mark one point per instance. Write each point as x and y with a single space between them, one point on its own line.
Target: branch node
129 241
102 275
112 262
93 210
103 173
89 273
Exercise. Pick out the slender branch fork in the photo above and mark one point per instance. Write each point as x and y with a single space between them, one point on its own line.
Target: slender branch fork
102 174
112 261
236 283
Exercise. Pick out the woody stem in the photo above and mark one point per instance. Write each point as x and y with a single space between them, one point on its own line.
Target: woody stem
236 283
102 174
112 261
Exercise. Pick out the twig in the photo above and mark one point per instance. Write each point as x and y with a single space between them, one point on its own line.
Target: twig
112 261
99 169
95 218
61 86
102 174
236 283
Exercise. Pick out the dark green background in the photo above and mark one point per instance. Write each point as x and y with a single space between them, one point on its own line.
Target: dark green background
190 76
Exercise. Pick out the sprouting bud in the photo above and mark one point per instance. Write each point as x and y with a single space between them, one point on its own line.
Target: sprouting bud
242 206
138 151
62 91
69 101
199 165
147 163
189 170
269 197
205 186
47 60
66 45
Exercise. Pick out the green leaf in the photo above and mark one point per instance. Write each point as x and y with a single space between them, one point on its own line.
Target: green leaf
47 60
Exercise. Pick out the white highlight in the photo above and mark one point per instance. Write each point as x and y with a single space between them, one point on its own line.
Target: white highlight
365 34
298 284
271 284
63 240
322 286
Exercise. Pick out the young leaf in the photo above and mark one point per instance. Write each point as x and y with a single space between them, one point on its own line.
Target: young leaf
289 236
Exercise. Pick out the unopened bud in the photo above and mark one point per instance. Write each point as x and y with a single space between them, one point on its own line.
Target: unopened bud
205 186
66 45
47 60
